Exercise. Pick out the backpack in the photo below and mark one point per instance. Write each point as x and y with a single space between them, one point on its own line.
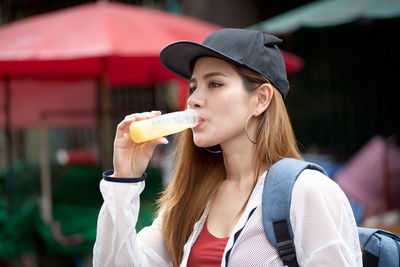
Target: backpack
380 248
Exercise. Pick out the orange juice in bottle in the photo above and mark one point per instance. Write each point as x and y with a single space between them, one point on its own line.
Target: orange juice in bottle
145 130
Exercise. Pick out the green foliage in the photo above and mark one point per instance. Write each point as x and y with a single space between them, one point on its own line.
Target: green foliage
76 201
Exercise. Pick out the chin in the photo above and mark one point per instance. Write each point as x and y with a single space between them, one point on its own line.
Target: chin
203 142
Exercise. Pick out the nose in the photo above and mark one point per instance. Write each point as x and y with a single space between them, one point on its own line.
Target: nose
195 100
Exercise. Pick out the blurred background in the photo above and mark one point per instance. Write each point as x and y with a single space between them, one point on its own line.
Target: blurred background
70 70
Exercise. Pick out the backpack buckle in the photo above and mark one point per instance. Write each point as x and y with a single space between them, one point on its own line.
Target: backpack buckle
286 250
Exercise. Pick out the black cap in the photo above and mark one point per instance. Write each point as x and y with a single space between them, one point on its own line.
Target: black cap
253 49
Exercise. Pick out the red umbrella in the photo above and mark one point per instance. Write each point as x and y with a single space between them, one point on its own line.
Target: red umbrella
120 40
117 42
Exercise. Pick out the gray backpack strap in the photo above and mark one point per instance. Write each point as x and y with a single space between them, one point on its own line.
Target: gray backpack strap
276 200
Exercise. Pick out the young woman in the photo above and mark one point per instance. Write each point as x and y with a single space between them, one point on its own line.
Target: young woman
210 214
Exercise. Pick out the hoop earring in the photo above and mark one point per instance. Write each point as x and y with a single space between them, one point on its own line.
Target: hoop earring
245 129
213 151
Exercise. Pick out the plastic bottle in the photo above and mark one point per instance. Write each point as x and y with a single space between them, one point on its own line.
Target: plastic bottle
145 130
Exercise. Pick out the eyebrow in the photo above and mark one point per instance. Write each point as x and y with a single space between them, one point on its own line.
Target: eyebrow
209 75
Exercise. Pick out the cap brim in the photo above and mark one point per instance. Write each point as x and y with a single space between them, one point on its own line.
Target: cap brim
177 57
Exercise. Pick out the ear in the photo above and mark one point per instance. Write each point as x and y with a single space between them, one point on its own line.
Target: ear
264 96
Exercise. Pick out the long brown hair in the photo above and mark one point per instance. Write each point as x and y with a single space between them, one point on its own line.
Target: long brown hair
198 172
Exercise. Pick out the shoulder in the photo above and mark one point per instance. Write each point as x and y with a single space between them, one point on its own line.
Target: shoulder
319 208
312 184
318 199
310 181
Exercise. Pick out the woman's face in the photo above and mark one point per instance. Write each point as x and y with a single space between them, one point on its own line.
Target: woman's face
217 92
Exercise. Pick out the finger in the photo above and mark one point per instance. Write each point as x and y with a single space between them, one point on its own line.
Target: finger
126 121
161 141
143 115
155 142
131 118
151 145
121 128
149 115
124 141
156 112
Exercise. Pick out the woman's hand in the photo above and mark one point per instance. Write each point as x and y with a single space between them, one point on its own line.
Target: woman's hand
130 158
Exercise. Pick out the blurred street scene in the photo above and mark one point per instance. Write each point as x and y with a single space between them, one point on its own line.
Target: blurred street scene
71 70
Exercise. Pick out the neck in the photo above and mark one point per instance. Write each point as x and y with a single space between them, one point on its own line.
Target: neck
238 161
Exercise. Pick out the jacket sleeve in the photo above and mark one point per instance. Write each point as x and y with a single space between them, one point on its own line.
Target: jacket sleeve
117 243
323 223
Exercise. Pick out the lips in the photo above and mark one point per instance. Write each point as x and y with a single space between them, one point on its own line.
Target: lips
201 121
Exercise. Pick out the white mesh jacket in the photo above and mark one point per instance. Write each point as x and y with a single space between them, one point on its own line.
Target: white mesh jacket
322 220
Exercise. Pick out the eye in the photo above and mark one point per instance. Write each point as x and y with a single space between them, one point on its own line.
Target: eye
192 88
214 84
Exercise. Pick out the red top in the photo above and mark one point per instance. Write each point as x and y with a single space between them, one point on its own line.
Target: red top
207 250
